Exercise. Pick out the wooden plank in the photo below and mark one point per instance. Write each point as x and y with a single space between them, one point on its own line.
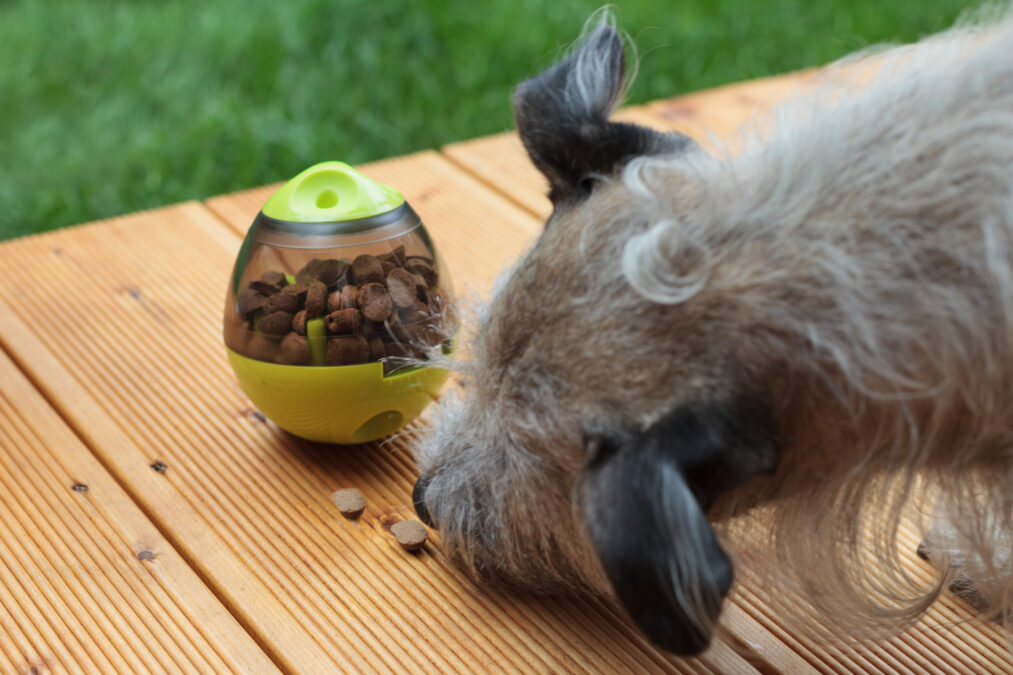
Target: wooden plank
140 374
945 640
87 583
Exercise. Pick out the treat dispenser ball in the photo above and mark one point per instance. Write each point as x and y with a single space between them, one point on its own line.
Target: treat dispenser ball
337 305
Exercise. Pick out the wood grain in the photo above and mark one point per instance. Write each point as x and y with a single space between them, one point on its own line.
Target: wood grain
87 583
143 379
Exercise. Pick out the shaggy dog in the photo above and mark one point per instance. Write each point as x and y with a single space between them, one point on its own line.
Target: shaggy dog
814 331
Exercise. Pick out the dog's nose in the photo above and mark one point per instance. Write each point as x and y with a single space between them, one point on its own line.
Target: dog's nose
419 501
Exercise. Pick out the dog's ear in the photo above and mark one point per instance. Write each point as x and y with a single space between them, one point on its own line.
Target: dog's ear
644 500
562 117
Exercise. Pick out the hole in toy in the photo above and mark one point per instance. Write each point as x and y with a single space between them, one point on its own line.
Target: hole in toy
378 426
326 199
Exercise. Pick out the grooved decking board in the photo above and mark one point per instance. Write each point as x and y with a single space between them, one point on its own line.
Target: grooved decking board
945 640
78 590
119 323
502 163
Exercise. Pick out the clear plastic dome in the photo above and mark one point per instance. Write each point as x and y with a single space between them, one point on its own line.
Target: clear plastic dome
340 293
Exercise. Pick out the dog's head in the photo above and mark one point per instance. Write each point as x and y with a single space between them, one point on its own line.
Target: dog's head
594 427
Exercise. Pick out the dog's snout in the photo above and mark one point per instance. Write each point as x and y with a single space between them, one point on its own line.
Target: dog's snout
419 501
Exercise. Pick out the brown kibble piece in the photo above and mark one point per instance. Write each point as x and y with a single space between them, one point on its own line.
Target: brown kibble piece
395 349
416 313
411 534
398 255
423 269
282 302
350 502
250 301
276 323
316 299
295 350
376 350
296 290
299 322
261 347
328 272
387 266
366 269
264 287
401 285
275 278
349 296
334 302
344 321
347 350
374 301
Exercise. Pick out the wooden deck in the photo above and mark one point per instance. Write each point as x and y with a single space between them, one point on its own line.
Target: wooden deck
153 521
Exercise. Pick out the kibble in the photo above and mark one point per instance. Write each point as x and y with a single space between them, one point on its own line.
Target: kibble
373 308
349 295
344 321
316 299
299 322
374 301
411 534
276 323
282 302
295 350
401 286
367 269
350 502
274 277
344 351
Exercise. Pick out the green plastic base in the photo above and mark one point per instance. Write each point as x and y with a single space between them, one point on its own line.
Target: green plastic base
337 404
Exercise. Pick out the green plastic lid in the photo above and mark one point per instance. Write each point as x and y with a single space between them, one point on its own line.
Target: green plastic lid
331 192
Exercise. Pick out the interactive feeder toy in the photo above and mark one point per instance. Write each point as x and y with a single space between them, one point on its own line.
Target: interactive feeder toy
336 302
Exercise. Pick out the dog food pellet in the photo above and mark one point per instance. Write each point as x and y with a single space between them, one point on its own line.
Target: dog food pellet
299 322
295 350
350 502
328 272
250 302
316 299
401 286
276 323
334 301
424 268
282 302
376 349
366 269
411 534
264 288
374 308
374 301
261 347
274 278
349 295
343 351
344 321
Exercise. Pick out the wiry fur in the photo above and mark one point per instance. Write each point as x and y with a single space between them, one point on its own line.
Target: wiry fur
848 275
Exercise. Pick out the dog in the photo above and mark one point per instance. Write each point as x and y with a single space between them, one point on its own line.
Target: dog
800 343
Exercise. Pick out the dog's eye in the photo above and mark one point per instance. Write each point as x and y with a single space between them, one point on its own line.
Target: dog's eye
586 184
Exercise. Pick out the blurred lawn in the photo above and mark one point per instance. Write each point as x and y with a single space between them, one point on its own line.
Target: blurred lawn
109 107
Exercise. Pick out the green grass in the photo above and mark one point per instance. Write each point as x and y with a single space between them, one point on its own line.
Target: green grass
109 107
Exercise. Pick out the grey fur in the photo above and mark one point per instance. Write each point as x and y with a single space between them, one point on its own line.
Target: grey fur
851 268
